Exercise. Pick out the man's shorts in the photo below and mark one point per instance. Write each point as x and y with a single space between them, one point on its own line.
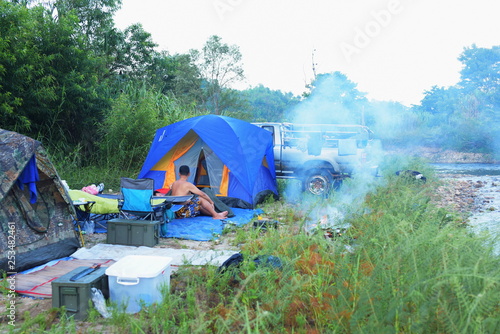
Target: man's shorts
191 209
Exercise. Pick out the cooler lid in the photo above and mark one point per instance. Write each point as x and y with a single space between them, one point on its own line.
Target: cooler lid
144 266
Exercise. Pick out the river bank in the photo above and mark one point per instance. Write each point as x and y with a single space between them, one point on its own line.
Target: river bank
476 198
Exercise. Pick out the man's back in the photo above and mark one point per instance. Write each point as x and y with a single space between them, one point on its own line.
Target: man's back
181 188
202 202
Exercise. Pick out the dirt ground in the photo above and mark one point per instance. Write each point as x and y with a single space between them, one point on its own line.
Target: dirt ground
479 196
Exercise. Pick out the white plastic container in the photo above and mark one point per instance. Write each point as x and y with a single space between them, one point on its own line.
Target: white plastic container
137 280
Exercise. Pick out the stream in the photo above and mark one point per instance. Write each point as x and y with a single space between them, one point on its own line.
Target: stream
469 169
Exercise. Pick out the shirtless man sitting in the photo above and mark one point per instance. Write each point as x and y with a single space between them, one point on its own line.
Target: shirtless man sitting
200 203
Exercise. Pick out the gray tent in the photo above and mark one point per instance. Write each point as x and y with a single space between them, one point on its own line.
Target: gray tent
36 224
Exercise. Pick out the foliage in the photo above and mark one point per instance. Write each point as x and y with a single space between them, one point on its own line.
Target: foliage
468 111
64 67
130 126
13 23
220 67
480 71
177 76
132 52
95 18
268 105
96 95
77 178
50 88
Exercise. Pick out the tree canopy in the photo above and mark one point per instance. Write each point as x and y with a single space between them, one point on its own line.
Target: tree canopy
50 82
221 66
67 74
467 112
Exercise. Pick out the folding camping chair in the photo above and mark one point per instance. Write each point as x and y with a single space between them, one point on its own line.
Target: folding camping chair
82 220
137 201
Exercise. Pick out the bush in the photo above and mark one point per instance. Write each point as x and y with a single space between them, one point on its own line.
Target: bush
130 126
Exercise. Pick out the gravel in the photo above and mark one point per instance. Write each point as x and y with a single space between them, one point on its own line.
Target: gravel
477 198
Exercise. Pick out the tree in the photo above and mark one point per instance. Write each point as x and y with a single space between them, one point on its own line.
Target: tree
333 99
268 105
17 60
475 123
468 111
220 66
480 77
130 125
95 19
176 76
481 68
50 84
439 103
131 52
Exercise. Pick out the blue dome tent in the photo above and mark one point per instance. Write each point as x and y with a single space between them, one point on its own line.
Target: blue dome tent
232 157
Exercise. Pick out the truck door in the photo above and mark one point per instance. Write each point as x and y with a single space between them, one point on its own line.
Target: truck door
276 146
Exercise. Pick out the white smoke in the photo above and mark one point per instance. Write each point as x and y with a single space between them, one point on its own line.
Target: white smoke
335 100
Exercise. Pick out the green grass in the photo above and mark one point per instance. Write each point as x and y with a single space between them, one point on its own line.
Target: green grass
403 266
78 178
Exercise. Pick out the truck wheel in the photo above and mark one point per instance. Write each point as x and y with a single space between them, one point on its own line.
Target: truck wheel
318 183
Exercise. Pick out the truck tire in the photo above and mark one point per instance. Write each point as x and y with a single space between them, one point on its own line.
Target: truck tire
318 183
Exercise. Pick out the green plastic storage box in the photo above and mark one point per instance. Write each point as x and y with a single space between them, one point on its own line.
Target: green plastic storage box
133 232
75 295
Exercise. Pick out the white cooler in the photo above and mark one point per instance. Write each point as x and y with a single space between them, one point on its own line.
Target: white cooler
137 280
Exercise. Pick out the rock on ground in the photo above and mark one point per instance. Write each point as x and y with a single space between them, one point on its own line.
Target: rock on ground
477 198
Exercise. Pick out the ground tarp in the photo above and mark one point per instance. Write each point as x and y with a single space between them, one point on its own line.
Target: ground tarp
204 228
37 281
179 256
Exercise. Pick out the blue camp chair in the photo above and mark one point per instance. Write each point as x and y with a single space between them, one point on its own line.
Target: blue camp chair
136 200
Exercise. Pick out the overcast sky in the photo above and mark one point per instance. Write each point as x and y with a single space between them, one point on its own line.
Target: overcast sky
393 50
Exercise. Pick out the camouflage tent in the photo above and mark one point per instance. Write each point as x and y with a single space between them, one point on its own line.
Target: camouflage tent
36 224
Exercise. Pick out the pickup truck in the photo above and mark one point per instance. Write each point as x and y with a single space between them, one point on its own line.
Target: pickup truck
320 155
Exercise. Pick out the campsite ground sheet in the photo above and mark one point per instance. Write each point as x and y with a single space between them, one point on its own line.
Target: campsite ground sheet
203 228
36 282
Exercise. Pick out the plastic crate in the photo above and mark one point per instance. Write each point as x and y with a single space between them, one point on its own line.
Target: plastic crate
137 280
75 295
133 232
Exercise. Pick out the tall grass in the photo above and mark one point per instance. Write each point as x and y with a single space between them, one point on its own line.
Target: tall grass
403 266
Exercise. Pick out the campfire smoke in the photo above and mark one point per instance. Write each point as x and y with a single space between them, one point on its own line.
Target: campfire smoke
329 104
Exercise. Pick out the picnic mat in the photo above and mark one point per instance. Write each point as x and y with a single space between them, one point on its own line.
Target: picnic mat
37 282
204 228
179 256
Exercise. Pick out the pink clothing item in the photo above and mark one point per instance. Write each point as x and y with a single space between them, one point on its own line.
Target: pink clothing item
92 189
